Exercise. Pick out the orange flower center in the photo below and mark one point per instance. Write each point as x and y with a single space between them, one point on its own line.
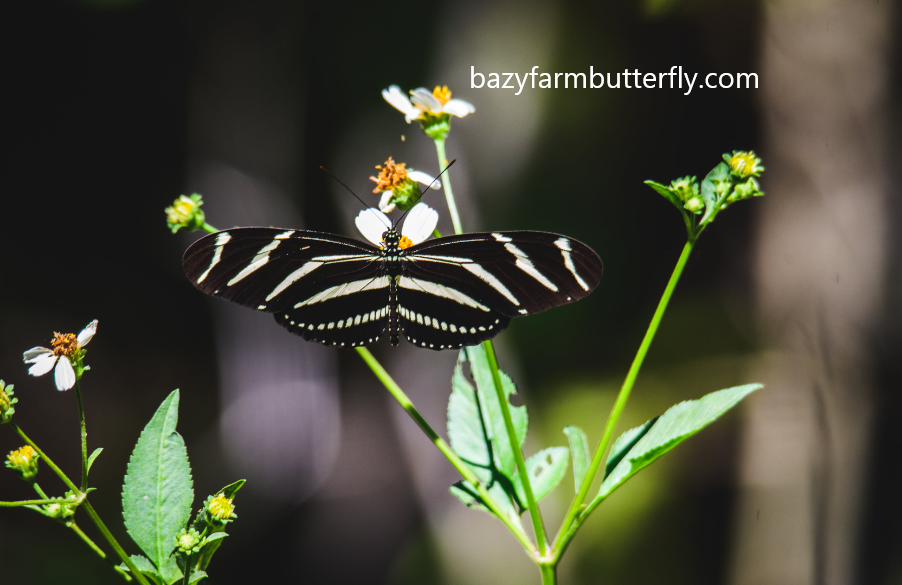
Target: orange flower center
22 457
442 94
405 243
64 344
391 174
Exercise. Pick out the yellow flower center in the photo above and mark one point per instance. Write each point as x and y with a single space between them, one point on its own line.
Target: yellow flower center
22 457
391 174
64 344
181 210
405 243
442 94
743 163
221 507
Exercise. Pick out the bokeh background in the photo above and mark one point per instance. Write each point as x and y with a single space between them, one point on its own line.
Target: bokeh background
116 107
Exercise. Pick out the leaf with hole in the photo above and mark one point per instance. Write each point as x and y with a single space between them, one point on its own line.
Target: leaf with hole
545 469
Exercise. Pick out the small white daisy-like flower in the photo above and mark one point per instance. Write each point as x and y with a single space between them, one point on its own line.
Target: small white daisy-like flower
65 346
418 225
422 102
398 184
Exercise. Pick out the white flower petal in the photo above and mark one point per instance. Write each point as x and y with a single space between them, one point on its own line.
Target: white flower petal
396 98
423 97
64 375
458 108
42 365
420 223
385 205
35 353
372 223
87 333
424 179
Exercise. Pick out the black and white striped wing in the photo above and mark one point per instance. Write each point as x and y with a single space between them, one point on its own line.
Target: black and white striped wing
461 290
322 287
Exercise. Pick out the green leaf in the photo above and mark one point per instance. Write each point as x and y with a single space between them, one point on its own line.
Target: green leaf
196 576
230 490
93 457
210 546
579 449
545 469
157 493
144 565
671 428
466 493
624 443
491 409
713 187
466 430
667 193
170 571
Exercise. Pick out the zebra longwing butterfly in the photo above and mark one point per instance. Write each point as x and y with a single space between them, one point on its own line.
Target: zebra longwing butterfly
440 294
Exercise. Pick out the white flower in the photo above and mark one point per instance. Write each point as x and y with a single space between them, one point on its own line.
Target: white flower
418 225
64 346
422 101
385 202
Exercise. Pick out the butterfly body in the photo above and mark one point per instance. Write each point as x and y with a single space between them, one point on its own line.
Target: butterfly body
439 294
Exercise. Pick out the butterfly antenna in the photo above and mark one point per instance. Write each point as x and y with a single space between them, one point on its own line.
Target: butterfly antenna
340 182
423 192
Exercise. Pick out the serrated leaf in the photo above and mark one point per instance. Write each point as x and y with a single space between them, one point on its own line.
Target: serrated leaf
93 457
670 429
466 493
579 450
624 443
466 427
666 192
545 470
170 571
196 576
158 491
491 409
712 187
144 565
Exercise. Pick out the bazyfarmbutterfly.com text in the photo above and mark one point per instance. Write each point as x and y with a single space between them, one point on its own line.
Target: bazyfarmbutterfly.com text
676 78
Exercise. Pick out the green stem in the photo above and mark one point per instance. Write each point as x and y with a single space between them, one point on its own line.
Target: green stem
442 446
534 513
208 228
549 573
187 570
84 438
19 503
446 185
574 513
138 575
77 530
85 504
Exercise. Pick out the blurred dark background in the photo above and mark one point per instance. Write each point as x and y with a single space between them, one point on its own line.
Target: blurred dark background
115 107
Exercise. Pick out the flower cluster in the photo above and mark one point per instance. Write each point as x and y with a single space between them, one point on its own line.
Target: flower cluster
7 402
744 167
24 461
433 110
63 509
687 190
185 212
398 185
66 354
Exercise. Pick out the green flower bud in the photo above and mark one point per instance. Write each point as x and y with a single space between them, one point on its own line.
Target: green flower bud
745 190
189 541
695 204
63 510
744 164
687 189
219 510
7 410
185 212
24 461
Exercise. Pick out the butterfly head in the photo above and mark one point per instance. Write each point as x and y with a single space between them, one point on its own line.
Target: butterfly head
393 242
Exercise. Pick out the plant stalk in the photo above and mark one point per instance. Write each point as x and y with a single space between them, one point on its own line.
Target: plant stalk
446 186
567 529
84 438
442 446
534 513
549 573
